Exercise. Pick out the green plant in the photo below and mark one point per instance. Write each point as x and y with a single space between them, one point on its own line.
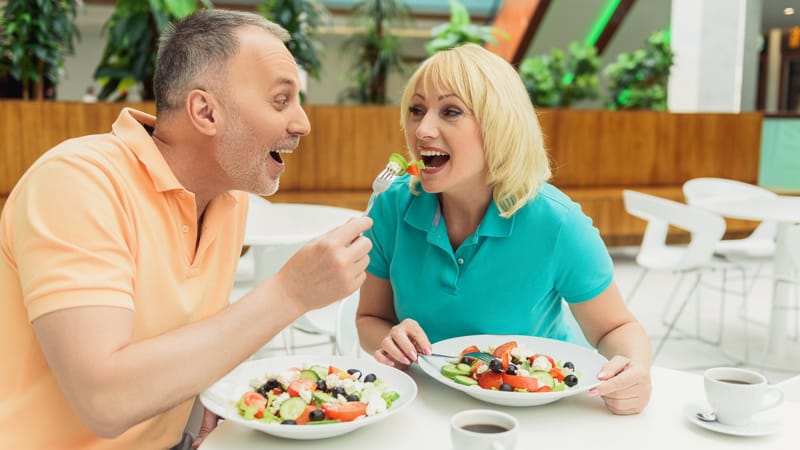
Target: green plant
459 31
132 43
558 81
638 80
37 35
377 50
302 18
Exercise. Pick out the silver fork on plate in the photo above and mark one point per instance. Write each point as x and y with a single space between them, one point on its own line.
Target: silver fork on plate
482 356
380 184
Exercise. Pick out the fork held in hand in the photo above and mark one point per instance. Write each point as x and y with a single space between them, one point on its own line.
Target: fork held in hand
482 356
380 184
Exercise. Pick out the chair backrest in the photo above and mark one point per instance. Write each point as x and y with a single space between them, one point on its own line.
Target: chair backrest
793 244
698 190
705 227
347 343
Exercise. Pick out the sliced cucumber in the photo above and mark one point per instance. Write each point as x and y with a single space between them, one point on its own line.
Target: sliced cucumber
321 398
322 372
465 369
452 370
292 408
308 375
544 378
321 422
465 380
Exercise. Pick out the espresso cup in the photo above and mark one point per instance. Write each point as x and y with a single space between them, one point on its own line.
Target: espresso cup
483 429
737 394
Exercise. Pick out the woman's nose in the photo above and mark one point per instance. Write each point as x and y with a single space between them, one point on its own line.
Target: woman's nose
427 128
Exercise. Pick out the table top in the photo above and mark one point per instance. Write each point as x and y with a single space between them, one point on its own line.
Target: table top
291 223
576 422
781 208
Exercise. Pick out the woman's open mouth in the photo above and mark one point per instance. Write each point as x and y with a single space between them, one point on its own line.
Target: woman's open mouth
434 158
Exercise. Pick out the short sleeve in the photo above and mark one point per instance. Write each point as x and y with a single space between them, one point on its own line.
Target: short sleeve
72 241
584 268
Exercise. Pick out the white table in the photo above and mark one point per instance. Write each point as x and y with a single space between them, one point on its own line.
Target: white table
577 422
785 211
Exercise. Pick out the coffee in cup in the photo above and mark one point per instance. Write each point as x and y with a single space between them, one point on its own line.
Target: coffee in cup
483 429
737 394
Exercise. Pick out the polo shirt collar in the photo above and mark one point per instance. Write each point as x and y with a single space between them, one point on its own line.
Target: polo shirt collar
424 214
129 127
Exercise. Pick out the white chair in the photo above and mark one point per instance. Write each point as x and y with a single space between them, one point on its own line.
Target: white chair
274 232
760 244
706 230
347 342
793 243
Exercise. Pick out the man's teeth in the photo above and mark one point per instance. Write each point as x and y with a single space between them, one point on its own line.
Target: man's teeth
284 150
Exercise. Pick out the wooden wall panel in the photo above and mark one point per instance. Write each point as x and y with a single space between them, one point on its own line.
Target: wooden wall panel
595 154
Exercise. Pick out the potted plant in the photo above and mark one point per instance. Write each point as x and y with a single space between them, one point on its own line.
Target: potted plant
132 43
37 35
459 31
638 80
302 19
557 80
377 50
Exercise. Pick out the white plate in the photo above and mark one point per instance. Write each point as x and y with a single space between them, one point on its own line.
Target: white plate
587 364
762 424
221 397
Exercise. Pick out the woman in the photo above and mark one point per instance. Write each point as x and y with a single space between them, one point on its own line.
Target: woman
497 246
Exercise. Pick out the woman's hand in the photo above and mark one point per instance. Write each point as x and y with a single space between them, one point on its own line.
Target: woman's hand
399 348
626 386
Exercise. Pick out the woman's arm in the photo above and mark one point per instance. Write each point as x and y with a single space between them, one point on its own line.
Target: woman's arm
379 333
609 325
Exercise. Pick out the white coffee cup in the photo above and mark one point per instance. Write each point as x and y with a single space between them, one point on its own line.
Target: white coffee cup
483 429
737 394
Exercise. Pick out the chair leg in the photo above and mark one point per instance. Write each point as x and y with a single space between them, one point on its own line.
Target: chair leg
677 316
665 311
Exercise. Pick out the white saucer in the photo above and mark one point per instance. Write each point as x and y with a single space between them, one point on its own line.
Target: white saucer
762 424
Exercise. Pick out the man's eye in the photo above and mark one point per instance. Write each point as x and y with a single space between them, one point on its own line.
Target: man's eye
283 101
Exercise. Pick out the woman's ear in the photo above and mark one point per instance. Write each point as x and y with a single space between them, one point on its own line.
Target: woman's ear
203 111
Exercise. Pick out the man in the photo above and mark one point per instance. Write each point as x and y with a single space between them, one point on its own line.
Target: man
118 251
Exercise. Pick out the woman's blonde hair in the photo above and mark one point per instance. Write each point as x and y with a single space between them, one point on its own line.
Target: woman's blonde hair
512 138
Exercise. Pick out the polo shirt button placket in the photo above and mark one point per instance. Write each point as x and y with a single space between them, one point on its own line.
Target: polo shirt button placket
460 261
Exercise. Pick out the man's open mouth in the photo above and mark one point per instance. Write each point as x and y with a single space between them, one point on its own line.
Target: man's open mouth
276 154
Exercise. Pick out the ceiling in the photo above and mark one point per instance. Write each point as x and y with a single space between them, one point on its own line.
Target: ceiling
772 14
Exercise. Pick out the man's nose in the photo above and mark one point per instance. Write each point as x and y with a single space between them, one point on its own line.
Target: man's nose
299 124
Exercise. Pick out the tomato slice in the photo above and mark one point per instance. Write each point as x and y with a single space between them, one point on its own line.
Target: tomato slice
475 366
549 358
301 385
345 411
305 417
490 380
504 349
471 348
257 400
413 170
544 388
342 374
505 360
521 382
557 373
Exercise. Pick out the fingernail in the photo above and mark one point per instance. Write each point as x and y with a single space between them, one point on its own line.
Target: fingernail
414 356
428 351
406 361
601 374
593 393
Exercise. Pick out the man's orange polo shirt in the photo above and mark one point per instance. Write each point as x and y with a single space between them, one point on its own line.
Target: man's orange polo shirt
102 220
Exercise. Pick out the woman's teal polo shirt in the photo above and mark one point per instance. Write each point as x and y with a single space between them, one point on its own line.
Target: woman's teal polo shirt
506 278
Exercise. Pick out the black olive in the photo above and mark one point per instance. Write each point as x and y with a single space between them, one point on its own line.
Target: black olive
369 378
355 372
465 360
316 415
337 391
352 398
322 385
569 365
506 387
289 422
512 369
261 390
570 380
496 366
272 384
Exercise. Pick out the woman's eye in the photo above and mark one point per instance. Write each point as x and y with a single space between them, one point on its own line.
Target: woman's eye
451 112
415 111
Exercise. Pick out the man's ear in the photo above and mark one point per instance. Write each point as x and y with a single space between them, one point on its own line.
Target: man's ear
203 111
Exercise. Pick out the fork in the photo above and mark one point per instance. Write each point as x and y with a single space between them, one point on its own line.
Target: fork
380 184
482 356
